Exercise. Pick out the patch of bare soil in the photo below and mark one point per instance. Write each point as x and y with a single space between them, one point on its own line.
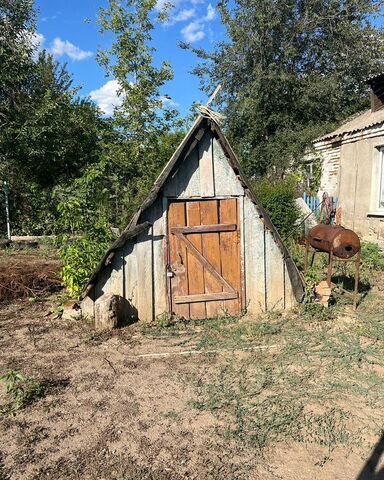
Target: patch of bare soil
131 404
108 414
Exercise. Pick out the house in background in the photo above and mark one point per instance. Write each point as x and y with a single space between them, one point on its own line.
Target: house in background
353 167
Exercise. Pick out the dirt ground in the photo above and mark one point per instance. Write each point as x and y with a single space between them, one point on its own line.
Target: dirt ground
281 397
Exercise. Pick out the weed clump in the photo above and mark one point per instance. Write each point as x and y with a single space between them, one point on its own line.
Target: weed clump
22 391
315 312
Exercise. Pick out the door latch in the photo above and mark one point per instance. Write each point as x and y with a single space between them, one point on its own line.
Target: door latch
170 273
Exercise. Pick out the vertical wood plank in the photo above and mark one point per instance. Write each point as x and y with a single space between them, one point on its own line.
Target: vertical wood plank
130 269
178 257
226 181
207 184
242 253
195 269
144 258
116 278
254 259
211 250
185 182
290 300
159 263
274 274
230 252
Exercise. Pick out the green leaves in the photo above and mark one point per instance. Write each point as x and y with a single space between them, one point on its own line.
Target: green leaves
278 198
21 390
47 138
289 72
11 378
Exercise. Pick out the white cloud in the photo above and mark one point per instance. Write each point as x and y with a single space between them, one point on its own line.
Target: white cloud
193 32
47 18
37 40
211 14
106 97
166 4
195 2
168 102
64 47
182 16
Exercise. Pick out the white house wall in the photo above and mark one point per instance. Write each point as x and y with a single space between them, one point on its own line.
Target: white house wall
330 166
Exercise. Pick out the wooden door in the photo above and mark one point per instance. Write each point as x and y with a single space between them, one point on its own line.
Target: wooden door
204 257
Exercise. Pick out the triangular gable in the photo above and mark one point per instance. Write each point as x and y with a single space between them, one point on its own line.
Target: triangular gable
190 141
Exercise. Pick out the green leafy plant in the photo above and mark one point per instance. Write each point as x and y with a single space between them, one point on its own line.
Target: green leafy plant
21 390
371 256
315 312
278 199
58 312
79 257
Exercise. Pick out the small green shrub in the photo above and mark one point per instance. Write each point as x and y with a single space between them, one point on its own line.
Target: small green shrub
21 390
86 233
262 329
80 256
316 312
165 320
278 198
371 256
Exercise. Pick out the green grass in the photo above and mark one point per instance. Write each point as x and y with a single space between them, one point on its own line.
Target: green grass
222 332
328 360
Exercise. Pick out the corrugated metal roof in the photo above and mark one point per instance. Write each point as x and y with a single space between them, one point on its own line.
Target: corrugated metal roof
360 122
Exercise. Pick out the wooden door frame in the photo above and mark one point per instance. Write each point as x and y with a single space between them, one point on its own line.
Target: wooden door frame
240 205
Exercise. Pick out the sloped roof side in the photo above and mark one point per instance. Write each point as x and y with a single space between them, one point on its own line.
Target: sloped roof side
360 122
195 134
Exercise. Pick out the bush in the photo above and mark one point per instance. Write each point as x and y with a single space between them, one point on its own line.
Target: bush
80 256
87 235
372 257
278 199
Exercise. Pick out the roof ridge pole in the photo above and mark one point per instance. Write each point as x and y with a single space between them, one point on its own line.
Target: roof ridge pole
213 96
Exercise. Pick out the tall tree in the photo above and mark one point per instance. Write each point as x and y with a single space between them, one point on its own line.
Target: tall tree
290 69
47 134
17 30
145 125
48 140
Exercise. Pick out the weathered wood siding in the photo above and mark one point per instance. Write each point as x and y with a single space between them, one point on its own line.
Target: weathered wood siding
205 173
254 248
138 270
268 286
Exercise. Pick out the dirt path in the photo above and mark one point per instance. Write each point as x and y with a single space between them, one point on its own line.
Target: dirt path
108 414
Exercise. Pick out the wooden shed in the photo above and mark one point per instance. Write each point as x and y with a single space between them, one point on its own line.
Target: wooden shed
200 245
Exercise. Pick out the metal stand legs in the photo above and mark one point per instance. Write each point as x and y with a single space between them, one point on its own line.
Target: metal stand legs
330 269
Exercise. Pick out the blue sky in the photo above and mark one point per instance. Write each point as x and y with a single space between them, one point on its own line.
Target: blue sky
63 31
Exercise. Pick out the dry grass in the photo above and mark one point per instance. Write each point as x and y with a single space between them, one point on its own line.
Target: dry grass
28 276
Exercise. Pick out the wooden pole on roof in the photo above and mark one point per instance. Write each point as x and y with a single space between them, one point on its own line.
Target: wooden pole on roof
213 96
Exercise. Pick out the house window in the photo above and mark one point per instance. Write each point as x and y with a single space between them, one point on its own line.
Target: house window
381 181
376 204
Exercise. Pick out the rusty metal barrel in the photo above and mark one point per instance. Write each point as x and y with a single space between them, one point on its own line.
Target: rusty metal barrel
344 243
